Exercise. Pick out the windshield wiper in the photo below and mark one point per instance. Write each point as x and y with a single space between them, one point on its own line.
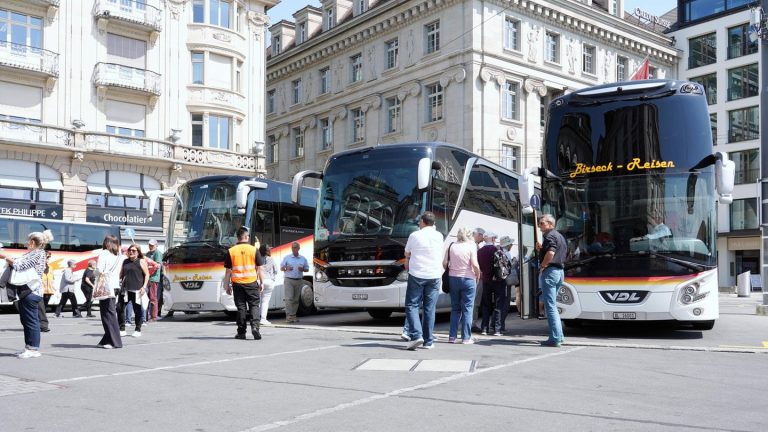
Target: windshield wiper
203 244
572 264
687 264
636 98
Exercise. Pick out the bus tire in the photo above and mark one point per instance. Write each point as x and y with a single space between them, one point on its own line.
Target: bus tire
703 325
379 314
307 300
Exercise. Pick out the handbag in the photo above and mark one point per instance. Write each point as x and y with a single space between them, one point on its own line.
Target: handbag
446 289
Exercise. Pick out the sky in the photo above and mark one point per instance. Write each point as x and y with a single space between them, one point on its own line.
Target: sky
286 8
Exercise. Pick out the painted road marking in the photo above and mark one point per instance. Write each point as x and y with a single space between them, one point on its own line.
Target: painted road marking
403 365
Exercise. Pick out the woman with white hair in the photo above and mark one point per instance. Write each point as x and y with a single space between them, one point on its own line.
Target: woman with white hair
463 272
31 293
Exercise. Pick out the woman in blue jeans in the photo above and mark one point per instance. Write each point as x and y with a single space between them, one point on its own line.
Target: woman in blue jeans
463 271
31 294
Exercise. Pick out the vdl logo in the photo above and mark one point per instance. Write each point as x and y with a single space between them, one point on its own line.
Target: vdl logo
630 297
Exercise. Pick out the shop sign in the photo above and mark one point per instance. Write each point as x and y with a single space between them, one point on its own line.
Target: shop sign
124 217
37 211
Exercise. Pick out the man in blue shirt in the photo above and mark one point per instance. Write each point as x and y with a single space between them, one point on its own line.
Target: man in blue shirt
293 266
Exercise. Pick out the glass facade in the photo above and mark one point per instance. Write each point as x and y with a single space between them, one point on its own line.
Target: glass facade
702 50
693 10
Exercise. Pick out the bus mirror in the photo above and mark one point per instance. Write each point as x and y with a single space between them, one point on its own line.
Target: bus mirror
725 173
424 173
527 188
154 196
243 188
298 182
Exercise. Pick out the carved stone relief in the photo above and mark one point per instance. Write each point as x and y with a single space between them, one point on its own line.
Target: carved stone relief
533 43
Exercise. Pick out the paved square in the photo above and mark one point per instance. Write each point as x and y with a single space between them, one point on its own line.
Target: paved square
13 386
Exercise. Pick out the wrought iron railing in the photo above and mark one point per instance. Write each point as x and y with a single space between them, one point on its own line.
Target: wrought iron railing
111 74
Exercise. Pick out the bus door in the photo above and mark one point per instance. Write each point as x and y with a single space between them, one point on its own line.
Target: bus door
528 307
264 227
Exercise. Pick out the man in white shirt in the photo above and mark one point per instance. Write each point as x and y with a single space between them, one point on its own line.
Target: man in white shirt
424 262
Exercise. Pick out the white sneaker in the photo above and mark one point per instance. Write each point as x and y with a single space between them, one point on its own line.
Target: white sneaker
122 333
415 343
105 346
29 354
405 337
136 334
264 322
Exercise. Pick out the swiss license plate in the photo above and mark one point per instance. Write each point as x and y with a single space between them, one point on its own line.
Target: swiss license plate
624 315
359 296
195 305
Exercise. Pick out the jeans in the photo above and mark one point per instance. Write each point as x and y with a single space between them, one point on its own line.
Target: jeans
462 301
549 282
246 298
28 309
421 292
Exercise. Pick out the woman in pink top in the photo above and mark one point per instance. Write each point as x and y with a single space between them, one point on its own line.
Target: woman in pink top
463 273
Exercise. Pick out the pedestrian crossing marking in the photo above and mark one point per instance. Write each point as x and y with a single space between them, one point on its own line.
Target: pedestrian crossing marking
409 365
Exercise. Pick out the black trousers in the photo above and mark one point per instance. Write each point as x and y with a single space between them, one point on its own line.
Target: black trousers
42 313
88 293
492 302
109 322
136 310
68 296
247 300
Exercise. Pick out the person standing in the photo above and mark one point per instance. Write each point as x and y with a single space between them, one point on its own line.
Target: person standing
493 295
31 294
241 279
154 280
267 284
294 266
48 291
424 262
135 277
67 290
513 280
108 263
86 286
552 254
463 272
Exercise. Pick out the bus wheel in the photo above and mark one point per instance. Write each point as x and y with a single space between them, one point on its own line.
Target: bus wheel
379 314
307 300
703 325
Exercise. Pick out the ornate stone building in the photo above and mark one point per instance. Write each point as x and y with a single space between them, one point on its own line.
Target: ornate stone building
476 73
105 101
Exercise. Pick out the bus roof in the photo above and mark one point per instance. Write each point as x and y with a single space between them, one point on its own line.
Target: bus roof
429 144
276 191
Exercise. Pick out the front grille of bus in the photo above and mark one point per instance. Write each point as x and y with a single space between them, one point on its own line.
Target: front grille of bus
362 276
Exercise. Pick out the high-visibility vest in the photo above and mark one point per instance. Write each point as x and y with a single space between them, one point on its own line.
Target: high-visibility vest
243 257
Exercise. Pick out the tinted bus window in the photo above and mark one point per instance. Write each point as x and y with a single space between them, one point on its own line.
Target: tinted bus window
7 233
58 230
86 238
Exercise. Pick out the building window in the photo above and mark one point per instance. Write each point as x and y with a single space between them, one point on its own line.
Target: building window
653 72
298 142
553 47
302 37
743 82
709 82
126 51
296 93
356 67
360 6
747 165
219 131
744 214
622 65
511 34
702 50
739 43
693 10
198 11
124 131
325 80
271 149
270 102
713 126
22 31
432 31
21 103
275 45
393 114
509 93
220 13
392 51
358 125
743 124
588 59
198 67
329 19
326 133
434 97
197 130
510 157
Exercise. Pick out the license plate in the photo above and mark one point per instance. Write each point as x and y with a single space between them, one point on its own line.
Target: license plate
624 315
195 305
359 296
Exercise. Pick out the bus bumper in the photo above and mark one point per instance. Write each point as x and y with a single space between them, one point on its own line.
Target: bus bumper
390 296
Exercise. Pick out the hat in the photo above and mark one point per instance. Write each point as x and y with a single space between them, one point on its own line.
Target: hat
71 262
506 241
489 234
478 231
153 242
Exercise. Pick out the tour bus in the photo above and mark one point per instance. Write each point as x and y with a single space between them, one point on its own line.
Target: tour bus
203 223
79 241
630 176
368 206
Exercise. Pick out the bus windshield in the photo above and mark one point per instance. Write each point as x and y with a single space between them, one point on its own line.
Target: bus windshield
365 196
208 217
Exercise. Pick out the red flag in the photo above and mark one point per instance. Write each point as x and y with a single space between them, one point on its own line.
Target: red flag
642 72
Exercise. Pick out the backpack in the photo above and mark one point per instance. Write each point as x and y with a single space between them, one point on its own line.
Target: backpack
501 265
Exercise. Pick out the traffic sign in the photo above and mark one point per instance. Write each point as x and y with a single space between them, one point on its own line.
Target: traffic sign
535 201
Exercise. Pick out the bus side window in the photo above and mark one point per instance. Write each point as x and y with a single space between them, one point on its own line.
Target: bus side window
7 233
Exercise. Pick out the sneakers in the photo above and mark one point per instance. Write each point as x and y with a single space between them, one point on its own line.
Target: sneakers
105 346
451 340
405 337
292 319
256 335
427 347
122 333
415 343
29 354
45 330
484 333
265 323
240 336
549 343
497 334
467 341
136 334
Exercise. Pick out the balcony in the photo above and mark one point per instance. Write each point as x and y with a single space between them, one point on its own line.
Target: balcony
134 13
130 146
29 58
113 75
221 99
35 134
215 158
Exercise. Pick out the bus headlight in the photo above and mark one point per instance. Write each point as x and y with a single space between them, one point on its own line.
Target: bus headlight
320 276
564 295
692 293
402 276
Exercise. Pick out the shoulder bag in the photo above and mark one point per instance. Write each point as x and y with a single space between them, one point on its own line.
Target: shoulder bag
445 287
100 287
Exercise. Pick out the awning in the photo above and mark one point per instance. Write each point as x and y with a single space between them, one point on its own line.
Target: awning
18 182
97 183
125 183
28 175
